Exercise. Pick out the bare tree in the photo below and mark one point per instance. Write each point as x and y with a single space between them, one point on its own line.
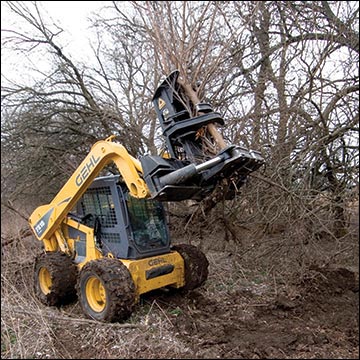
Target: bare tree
49 125
283 74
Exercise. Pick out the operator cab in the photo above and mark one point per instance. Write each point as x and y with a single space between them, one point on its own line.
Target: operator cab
126 227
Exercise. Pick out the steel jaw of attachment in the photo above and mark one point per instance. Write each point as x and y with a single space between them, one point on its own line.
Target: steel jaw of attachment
175 180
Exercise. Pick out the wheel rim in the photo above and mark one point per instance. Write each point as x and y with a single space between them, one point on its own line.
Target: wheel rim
45 280
95 294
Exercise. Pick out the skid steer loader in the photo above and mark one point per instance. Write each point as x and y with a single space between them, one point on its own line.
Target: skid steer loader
105 238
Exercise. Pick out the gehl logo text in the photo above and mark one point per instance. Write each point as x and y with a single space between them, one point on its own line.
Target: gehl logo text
85 170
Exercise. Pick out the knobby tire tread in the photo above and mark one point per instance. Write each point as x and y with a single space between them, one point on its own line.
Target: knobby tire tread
63 275
119 287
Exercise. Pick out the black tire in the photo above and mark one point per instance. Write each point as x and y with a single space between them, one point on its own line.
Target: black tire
196 265
55 278
106 290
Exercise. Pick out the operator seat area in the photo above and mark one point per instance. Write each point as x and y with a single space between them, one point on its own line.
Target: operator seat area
126 227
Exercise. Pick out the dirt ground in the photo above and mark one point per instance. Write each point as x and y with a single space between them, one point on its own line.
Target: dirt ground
247 319
241 312
318 319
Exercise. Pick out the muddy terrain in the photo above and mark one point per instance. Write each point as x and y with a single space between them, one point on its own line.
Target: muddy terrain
247 309
234 315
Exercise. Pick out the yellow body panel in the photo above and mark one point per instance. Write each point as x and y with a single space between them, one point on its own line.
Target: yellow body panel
138 269
92 252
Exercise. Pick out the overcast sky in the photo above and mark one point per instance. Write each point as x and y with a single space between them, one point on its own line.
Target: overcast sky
70 15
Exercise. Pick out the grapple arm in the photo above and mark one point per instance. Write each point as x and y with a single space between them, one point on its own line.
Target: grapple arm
194 167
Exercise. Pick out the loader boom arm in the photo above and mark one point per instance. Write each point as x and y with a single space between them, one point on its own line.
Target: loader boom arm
45 219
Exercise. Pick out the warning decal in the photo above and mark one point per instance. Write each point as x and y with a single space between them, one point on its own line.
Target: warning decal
161 103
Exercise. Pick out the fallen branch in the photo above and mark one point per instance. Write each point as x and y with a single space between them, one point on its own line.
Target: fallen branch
11 207
65 318
23 233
